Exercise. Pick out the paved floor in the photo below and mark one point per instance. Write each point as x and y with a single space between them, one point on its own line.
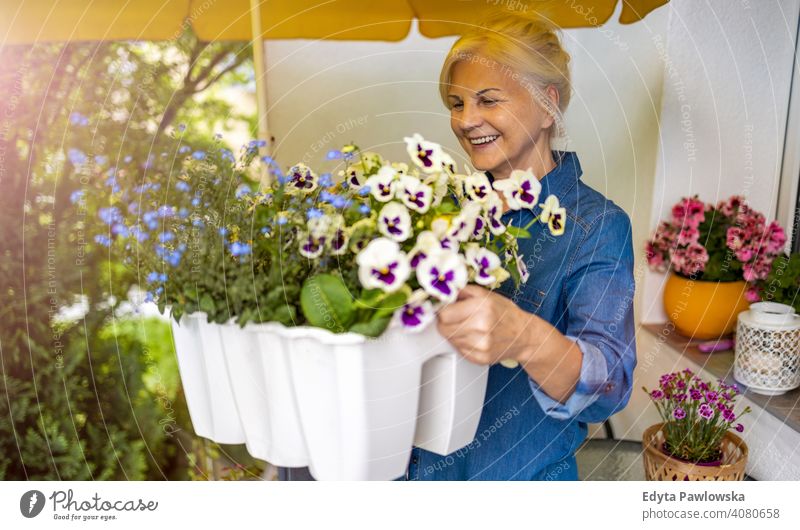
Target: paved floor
610 460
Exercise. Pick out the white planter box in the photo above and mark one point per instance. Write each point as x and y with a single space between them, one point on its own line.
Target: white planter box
359 399
201 362
346 406
258 365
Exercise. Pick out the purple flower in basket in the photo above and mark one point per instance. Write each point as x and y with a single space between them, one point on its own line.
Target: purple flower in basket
302 178
695 394
443 275
680 398
679 413
739 427
705 411
657 394
728 415
711 397
382 265
416 312
394 221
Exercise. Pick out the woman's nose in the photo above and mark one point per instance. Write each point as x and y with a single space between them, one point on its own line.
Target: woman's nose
470 118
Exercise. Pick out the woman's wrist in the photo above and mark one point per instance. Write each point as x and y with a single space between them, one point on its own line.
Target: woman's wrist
530 335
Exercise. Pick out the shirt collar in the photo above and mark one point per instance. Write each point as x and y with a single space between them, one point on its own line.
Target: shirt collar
562 178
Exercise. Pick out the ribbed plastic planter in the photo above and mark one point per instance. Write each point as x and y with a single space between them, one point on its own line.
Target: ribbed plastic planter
346 406
258 365
204 375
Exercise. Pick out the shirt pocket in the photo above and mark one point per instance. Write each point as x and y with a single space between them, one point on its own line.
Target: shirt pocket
531 300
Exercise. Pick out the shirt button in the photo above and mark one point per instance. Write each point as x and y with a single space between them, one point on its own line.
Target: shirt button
414 459
609 387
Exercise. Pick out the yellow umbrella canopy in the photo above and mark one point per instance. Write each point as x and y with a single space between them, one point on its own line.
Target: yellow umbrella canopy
27 21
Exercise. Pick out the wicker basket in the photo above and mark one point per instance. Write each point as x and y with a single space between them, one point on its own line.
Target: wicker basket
660 466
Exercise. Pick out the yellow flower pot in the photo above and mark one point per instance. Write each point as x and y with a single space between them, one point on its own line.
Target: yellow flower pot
704 310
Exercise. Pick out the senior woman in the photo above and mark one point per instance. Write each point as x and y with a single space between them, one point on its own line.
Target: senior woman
570 327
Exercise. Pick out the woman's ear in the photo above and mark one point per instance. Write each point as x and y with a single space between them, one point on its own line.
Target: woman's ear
551 93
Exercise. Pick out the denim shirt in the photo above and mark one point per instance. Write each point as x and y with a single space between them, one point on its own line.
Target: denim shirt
582 283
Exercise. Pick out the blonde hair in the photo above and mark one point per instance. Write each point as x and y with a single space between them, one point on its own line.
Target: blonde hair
527 45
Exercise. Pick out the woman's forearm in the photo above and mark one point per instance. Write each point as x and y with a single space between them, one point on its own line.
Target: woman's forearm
551 359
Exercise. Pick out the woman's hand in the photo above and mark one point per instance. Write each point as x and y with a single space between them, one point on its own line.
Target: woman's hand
486 327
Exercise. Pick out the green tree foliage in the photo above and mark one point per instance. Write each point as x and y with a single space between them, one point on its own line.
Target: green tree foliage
99 398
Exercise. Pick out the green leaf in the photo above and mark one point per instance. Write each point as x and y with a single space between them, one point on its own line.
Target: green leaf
207 305
285 314
326 303
389 304
519 233
373 328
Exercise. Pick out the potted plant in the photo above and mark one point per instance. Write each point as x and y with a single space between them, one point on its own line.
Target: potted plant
782 283
713 253
319 287
695 440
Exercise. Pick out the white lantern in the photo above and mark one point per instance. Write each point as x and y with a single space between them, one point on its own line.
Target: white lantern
768 349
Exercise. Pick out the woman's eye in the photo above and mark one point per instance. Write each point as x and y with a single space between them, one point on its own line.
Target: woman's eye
457 106
489 102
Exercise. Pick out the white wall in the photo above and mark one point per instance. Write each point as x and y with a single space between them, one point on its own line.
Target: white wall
726 89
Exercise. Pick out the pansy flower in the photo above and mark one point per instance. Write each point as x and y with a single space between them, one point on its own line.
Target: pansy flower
521 189
486 266
382 185
416 313
338 235
463 225
310 246
438 182
382 265
522 268
354 176
394 222
554 215
415 194
301 178
493 210
443 275
478 186
427 244
427 155
447 163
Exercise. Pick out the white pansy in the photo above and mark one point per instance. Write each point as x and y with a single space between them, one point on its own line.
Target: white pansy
554 215
394 221
426 245
463 225
439 182
382 185
478 186
488 270
415 194
382 265
416 313
447 163
426 155
443 275
521 189
493 211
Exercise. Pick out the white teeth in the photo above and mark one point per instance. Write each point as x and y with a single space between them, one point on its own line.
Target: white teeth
482 140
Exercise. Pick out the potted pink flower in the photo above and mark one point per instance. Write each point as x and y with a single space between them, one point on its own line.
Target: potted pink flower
695 440
715 255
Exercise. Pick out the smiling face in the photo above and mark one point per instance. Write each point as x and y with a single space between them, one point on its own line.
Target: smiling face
497 119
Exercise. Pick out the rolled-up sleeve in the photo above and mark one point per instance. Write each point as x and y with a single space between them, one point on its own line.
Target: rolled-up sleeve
598 290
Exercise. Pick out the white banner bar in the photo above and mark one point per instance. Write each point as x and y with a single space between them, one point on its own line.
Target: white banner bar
388 505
